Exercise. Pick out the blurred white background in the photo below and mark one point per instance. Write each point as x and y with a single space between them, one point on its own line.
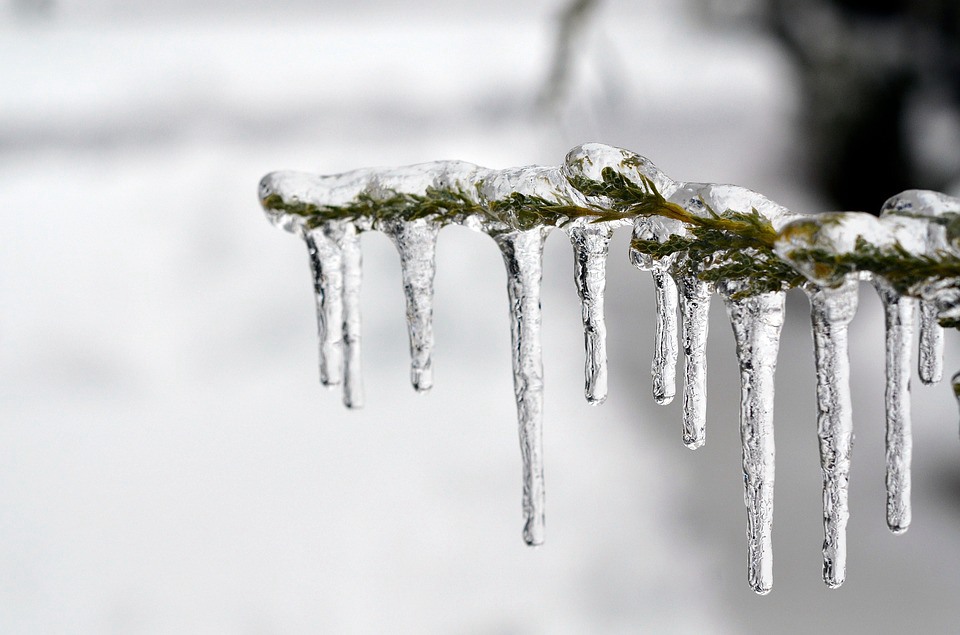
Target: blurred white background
168 460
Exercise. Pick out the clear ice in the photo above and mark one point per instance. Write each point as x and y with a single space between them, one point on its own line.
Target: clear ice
416 241
940 210
591 243
695 309
326 265
831 311
352 275
917 222
898 318
523 257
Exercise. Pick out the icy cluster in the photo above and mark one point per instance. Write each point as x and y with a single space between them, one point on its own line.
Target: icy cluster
679 231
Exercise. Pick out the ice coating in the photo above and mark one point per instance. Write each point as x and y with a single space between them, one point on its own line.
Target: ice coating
590 159
523 257
831 311
590 247
898 317
416 241
517 206
838 234
326 266
942 213
757 321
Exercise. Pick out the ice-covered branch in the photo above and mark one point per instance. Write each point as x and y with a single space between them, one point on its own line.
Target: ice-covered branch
695 238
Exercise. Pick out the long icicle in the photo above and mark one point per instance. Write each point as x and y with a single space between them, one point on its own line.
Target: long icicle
523 256
931 344
757 321
352 273
831 311
416 241
899 317
664 368
695 309
591 245
326 266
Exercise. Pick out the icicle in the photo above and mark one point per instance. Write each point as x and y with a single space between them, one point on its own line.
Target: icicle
590 247
352 262
523 257
899 313
417 243
831 311
757 321
931 344
664 368
939 210
326 265
695 308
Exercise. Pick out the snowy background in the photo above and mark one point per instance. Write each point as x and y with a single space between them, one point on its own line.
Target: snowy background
168 460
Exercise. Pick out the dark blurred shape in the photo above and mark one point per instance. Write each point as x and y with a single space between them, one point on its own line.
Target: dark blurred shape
866 70
572 22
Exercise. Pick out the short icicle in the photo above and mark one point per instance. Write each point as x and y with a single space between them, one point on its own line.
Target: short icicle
326 265
523 256
931 344
831 311
352 272
664 368
899 316
695 310
757 321
590 248
416 241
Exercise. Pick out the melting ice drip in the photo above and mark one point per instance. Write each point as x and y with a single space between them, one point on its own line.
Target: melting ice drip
596 190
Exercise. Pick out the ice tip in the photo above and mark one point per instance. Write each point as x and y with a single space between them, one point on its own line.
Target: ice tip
595 400
421 379
898 530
